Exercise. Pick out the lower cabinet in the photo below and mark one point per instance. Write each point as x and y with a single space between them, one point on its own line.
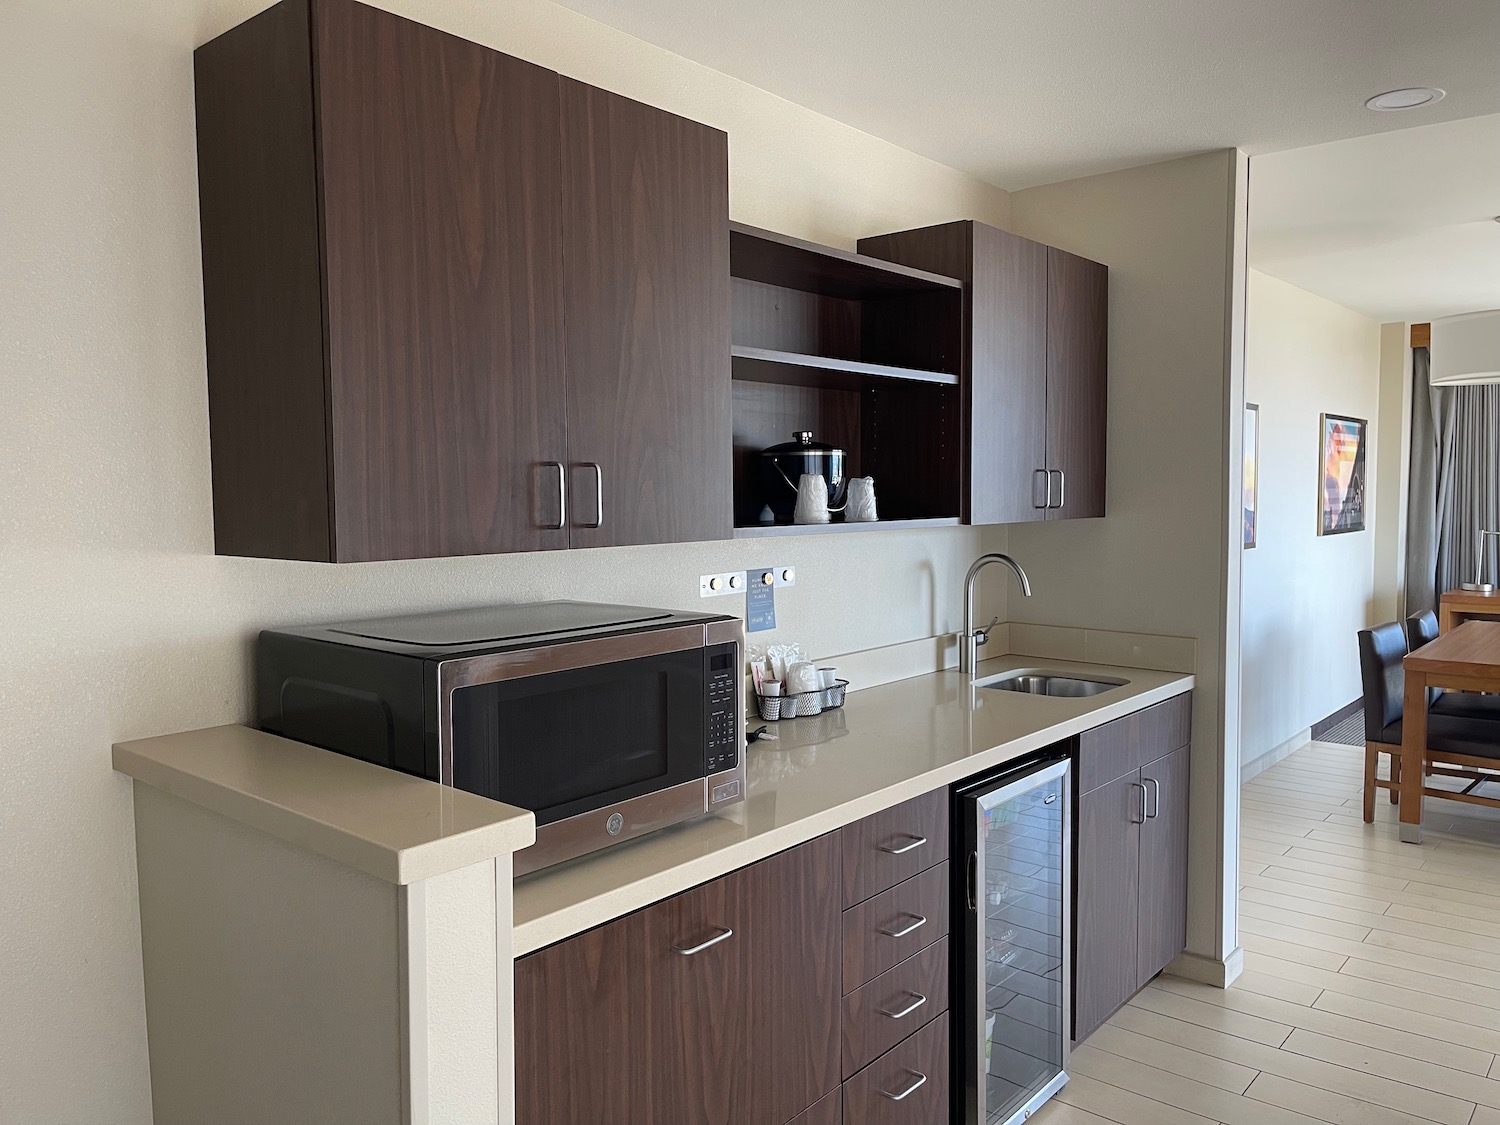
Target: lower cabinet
908 1085
717 1007
1130 859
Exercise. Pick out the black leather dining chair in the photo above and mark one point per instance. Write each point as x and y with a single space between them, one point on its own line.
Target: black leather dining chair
1463 737
1421 628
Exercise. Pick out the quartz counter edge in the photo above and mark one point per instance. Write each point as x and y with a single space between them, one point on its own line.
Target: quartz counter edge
396 827
915 753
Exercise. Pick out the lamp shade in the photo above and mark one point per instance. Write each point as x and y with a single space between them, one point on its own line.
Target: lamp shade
1465 349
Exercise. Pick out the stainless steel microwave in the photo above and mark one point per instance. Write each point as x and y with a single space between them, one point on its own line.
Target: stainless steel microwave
606 721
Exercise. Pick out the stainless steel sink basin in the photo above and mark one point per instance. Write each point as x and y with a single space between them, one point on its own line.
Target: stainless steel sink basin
1032 682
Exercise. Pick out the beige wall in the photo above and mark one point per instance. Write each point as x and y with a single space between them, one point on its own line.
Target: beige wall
1305 594
1172 235
1393 456
116 619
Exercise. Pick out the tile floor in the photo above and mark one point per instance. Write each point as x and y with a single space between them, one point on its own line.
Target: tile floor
1371 992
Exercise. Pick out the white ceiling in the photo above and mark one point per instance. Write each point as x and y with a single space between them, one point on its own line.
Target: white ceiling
1026 92
1399 226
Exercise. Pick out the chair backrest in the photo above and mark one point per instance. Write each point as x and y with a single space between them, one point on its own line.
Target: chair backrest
1381 651
1421 629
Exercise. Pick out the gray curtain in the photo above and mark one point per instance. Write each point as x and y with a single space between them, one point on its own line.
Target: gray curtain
1455 485
1468 496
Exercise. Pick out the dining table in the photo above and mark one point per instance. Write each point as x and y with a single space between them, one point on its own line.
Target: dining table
1457 606
1465 659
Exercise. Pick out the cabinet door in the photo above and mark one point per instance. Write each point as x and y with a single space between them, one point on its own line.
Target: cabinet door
1007 378
1077 385
650 1019
440 167
1164 864
1107 884
646 253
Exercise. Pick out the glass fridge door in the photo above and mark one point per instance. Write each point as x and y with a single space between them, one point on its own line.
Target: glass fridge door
1019 902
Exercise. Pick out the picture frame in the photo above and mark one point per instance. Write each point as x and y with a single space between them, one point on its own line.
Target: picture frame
1342 473
1250 507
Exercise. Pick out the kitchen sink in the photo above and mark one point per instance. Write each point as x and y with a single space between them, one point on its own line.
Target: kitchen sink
1032 682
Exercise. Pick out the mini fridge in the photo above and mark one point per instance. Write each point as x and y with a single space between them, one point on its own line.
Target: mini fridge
1011 921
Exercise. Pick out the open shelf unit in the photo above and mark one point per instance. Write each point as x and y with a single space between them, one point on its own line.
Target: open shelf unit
864 353
772 530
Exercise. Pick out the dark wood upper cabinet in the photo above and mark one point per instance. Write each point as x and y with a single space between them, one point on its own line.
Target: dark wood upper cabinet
1034 368
1077 384
646 266
627 1024
443 285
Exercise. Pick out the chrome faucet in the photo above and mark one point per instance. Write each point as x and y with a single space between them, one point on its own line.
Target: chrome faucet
972 638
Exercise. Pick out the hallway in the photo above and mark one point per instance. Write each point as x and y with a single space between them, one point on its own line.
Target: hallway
1371 991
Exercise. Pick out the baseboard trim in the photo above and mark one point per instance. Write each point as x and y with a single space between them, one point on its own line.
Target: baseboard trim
1323 726
1209 970
1275 754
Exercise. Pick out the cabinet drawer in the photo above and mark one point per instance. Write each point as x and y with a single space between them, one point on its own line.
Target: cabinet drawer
883 931
1127 744
895 1004
908 1085
828 1111
892 846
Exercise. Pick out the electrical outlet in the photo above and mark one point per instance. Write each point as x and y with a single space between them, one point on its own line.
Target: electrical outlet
716 585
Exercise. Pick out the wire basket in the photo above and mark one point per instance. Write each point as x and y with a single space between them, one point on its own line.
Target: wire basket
802 704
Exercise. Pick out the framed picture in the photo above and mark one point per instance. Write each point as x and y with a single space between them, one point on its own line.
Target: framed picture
1341 460
1251 505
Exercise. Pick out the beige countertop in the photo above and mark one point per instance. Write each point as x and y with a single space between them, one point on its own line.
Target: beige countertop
886 745
388 824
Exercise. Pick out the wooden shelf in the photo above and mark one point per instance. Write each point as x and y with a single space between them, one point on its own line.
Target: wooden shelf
779 259
769 531
766 365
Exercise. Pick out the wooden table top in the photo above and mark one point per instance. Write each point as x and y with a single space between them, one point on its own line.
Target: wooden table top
1471 599
1472 648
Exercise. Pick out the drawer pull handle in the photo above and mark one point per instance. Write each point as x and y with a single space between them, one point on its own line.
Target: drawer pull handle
688 951
916 842
917 1001
921 1080
911 929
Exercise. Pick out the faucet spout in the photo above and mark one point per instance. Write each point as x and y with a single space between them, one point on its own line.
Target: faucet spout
971 638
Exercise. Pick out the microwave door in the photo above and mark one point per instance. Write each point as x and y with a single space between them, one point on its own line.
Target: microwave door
581 739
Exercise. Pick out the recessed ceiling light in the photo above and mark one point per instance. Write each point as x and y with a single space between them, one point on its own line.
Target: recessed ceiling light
1392 101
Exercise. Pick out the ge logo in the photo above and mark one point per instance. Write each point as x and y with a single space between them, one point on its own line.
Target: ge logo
615 824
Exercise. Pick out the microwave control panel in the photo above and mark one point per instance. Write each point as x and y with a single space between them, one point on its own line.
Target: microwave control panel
722 745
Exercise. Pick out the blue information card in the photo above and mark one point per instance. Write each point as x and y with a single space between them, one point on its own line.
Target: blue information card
760 602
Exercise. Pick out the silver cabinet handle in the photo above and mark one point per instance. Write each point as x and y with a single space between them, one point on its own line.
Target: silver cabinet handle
1156 797
921 1080
917 1001
1047 481
1062 487
688 951
913 928
916 842
598 493
562 495
1142 788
